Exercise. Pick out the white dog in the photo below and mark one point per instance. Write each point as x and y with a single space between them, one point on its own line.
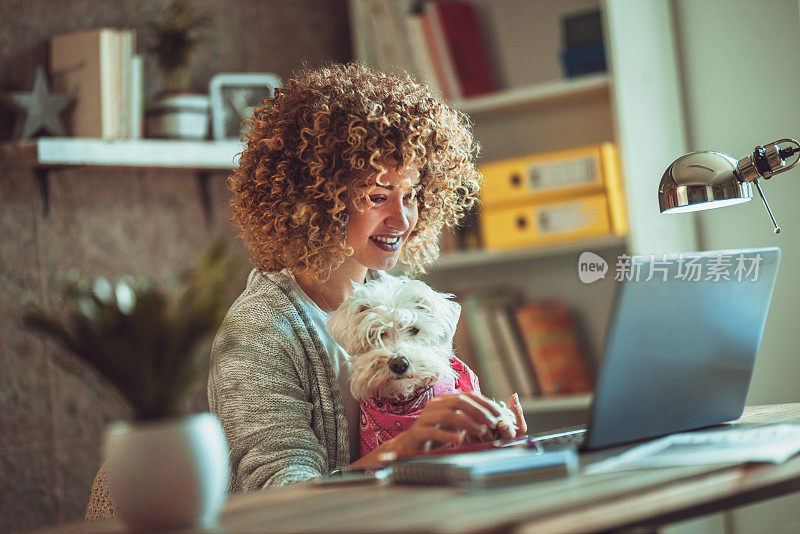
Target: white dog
399 334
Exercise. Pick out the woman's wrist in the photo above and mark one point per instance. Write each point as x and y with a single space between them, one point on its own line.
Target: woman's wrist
384 452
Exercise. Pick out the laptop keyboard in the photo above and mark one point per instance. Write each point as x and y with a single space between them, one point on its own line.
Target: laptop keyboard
560 440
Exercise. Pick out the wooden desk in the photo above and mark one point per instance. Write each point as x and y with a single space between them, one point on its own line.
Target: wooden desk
580 503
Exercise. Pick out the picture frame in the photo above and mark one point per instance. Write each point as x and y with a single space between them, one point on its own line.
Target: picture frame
233 97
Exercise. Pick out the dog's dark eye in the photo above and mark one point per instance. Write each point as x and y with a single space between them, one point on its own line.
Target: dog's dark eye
413 330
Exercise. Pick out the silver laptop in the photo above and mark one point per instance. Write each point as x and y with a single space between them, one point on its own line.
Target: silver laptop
680 347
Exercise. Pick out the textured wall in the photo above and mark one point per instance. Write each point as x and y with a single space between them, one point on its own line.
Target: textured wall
110 222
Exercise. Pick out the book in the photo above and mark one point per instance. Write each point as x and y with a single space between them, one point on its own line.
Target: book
127 46
581 29
388 38
512 351
136 97
458 34
552 346
440 61
494 376
583 46
423 66
94 67
486 469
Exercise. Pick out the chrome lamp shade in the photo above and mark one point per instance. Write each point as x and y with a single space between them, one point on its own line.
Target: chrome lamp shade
702 180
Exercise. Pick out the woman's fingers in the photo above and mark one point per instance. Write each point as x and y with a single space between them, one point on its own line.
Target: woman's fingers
505 431
459 418
480 409
516 406
484 402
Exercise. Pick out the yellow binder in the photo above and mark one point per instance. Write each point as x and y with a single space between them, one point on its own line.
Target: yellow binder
547 176
545 223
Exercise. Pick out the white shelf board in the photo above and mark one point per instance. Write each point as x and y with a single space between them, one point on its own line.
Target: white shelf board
563 403
472 258
543 93
138 153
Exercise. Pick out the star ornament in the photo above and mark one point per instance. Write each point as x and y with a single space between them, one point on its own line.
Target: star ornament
42 108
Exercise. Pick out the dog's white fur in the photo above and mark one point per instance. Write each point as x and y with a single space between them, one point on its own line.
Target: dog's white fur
398 317
393 317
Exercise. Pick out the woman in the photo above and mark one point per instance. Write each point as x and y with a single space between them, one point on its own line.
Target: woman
346 172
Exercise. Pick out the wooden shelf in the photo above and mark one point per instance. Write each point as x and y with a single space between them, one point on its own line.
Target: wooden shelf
564 403
473 258
595 85
154 153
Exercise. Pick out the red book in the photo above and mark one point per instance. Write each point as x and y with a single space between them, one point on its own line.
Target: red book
465 46
553 349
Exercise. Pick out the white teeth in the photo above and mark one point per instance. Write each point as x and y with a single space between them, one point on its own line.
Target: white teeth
387 240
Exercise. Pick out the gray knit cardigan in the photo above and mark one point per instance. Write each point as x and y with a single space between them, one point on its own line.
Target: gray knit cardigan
272 385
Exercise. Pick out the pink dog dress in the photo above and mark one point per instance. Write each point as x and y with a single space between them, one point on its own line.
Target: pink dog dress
383 419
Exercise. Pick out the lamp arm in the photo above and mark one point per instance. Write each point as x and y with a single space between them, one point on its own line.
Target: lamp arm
767 161
775 227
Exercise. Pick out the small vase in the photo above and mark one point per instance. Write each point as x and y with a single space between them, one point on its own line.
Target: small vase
168 473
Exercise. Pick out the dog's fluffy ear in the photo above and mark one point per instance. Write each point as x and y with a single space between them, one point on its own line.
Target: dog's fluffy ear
439 305
451 311
339 325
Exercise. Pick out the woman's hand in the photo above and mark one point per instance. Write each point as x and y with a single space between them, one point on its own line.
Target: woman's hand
462 418
450 419
522 427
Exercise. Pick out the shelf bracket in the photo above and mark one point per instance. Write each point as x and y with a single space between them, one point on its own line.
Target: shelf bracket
205 197
43 187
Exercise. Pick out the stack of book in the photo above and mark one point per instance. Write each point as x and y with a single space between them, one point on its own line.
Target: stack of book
528 347
440 42
100 69
583 49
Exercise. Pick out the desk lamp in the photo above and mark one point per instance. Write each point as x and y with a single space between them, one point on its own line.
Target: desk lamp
704 180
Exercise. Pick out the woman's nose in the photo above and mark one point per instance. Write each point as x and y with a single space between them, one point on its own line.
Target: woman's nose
398 217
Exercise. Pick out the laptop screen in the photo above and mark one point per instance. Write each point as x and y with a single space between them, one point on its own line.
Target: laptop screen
681 342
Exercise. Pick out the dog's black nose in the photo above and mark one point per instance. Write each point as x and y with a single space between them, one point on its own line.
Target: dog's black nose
398 365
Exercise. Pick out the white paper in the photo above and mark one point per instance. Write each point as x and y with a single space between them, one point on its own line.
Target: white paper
735 444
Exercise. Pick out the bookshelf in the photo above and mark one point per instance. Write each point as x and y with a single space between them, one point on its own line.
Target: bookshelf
593 86
561 403
635 104
152 153
465 259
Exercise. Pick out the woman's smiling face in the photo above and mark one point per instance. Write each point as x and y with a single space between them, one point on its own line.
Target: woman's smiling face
377 234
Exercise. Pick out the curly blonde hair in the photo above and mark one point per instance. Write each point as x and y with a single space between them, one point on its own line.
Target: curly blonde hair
325 139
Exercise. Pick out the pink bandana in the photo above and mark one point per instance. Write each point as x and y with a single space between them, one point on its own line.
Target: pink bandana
383 419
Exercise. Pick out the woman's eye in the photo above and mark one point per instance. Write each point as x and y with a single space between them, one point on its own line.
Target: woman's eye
413 330
377 199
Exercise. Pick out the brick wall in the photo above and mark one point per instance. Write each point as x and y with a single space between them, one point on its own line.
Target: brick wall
109 222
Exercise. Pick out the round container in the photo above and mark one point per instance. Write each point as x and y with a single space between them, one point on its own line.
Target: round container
168 473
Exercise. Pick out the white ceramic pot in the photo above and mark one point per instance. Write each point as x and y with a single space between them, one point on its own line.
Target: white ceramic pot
179 116
168 473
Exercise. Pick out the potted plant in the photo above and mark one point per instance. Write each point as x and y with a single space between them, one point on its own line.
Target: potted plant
178 112
165 468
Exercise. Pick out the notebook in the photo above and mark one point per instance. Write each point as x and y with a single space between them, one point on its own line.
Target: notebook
680 347
485 469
